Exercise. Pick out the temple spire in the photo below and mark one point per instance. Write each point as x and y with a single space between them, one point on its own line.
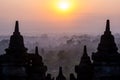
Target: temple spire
85 58
16 31
84 69
85 52
60 71
107 43
36 50
107 27
16 44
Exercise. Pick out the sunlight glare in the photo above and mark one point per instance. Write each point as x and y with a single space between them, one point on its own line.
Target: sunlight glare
64 5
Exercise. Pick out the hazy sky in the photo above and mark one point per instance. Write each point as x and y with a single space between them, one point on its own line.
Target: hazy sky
42 16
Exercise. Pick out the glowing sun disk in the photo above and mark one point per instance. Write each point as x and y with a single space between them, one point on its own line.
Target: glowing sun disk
64 5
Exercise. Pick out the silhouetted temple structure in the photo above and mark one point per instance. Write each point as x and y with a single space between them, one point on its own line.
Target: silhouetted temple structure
84 70
18 64
105 63
106 60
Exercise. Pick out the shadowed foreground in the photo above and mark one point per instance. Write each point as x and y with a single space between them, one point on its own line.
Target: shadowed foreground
18 64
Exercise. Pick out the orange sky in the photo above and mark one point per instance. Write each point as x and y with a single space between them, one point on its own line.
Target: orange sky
42 16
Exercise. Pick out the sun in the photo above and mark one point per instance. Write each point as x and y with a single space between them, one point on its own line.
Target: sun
63 5
63 8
